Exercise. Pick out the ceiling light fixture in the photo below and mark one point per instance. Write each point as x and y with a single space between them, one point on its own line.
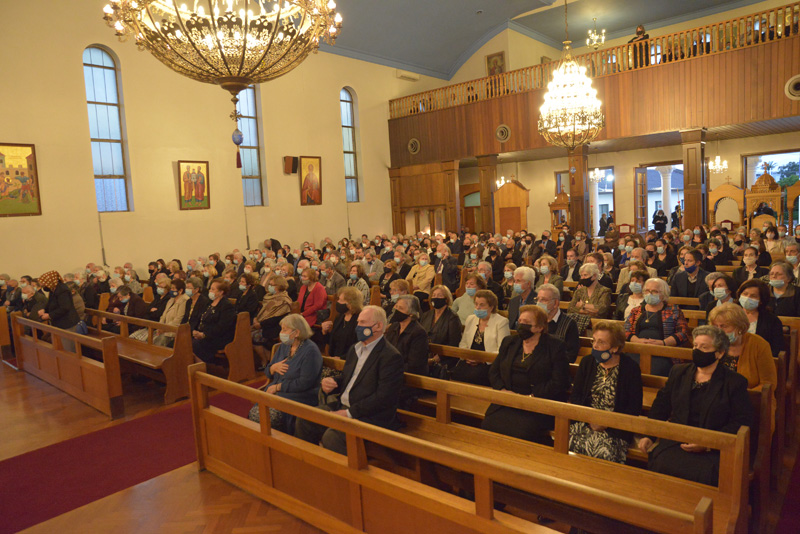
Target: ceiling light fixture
571 115
595 40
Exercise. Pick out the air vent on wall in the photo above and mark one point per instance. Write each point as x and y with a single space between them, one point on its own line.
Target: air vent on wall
502 133
413 146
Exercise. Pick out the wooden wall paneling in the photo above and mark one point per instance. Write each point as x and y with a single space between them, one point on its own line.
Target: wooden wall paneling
578 189
693 142
453 206
511 207
487 167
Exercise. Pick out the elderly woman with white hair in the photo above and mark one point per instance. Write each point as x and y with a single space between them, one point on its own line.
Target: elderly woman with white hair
590 299
655 322
295 371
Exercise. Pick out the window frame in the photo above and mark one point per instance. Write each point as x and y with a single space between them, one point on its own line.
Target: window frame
743 173
257 147
354 142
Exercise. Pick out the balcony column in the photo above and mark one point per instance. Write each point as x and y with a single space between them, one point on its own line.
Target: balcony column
666 190
578 189
594 204
487 167
694 176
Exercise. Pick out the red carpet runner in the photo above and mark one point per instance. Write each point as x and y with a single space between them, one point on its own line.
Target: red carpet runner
48 482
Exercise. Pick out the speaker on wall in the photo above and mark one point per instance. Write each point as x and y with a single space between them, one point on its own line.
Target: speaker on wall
290 164
792 88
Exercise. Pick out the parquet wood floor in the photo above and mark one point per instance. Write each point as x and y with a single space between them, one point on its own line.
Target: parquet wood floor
182 501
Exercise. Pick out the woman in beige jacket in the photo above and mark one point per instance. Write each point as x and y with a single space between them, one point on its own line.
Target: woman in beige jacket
421 278
173 313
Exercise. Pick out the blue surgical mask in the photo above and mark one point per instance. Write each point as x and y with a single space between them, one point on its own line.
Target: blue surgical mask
242 287
517 288
660 250
127 278
544 269
543 306
439 255
635 287
423 263
713 251
473 256
161 290
481 314
482 275
212 296
720 293
112 289
353 277
732 337
285 338
686 237
271 290
628 248
189 292
363 333
748 303
792 259
652 300
125 300
470 291
206 274
696 232
395 298
777 283
508 275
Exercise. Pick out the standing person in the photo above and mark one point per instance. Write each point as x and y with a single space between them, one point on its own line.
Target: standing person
660 222
641 52
677 217
60 309
603 225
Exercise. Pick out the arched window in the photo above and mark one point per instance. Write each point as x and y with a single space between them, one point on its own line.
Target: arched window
106 129
250 149
347 103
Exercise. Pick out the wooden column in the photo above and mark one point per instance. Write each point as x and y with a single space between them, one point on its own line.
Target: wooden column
694 176
452 215
416 222
487 166
579 188
398 214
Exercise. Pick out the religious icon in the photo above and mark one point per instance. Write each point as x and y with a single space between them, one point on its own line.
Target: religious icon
19 181
495 63
310 172
193 185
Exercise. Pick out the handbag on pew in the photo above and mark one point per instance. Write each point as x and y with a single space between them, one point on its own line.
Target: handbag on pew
81 328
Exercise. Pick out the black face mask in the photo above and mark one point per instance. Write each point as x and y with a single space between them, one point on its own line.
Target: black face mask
586 282
341 308
492 252
399 317
524 331
439 303
703 359
386 270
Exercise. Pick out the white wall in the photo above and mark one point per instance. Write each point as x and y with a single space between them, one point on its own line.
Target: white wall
169 118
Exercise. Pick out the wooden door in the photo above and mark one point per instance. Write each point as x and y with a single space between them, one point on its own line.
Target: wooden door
510 219
469 219
640 199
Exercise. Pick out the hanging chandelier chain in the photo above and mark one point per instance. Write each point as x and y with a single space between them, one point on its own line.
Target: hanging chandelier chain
566 22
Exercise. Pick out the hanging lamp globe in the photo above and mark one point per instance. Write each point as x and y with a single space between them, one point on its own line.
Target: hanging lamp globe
231 43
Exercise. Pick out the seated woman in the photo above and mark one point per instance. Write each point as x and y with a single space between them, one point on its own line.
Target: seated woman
407 336
749 270
132 281
704 394
785 300
548 273
275 305
174 313
507 285
441 322
210 273
754 298
764 257
396 288
472 257
421 278
609 267
665 256
294 373
248 299
340 334
690 282
772 242
748 354
129 304
357 280
464 306
723 289
633 297
657 323
485 330
197 303
609 380
531 363
312 297
389 275
590 299
216 328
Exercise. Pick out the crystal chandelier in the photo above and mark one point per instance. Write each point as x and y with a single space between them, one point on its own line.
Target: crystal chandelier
717 166
231 43
596 176
595 39
571 114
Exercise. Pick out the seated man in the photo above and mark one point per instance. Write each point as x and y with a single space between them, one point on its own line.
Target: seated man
371 398
33 301
524 295
129 304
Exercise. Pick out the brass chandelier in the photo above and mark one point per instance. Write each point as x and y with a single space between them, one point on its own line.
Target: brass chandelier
231 43
571 115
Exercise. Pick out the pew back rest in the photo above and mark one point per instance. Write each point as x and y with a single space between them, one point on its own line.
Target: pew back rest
5 330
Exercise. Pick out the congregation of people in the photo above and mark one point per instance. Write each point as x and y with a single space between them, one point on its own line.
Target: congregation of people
380 303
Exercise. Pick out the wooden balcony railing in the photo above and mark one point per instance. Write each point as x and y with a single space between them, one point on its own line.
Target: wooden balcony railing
741 32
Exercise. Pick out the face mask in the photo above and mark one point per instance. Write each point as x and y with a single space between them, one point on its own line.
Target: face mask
125 300
686 238
713 251
363 333
127 278
114 275
439 255
748 303
24 296
397 260
471 291
423 263
285 338
271 290
544 269
161 290
395 297
690 269
189 292
508 275
732 337
703 359
481 314
652 300
173 294
586 282
792 259
212 296
660 250
517 288
696 232
88 270
23 284
720 293
2 282
543 306
782 234
601 356
353 277
399 317
439 303
777 283
628 249
524 331
473 256
560 238
112 290
248 270
635 287
352 252
227 261
748 260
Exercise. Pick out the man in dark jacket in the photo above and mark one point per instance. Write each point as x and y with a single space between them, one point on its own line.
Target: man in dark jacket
368 388
132 306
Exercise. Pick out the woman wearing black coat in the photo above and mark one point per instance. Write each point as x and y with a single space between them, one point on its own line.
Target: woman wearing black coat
248 299
532 363
608 380
660 222
754 297
411 340
702 394
217 326
441 323
340 334
60 309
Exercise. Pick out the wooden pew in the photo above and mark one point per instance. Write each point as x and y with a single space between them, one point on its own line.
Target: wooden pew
375 296
792 375
462 285
105 298
97 383
147 294
163 364
5 334
239 352
364 496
